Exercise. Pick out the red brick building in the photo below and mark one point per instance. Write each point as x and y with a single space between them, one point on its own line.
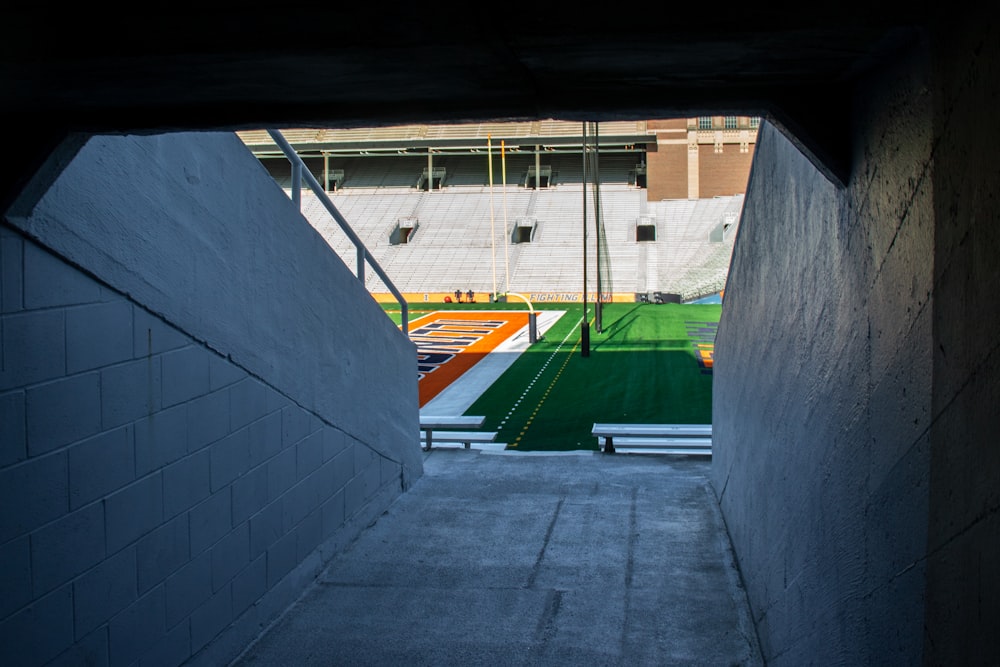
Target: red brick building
701 157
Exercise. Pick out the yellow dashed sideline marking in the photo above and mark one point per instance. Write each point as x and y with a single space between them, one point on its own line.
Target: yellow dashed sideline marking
548 390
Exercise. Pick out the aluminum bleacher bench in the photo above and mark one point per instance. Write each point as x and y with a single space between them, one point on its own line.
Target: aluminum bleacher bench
443 429
689 439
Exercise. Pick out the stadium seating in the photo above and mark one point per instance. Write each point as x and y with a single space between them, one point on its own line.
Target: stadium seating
457 244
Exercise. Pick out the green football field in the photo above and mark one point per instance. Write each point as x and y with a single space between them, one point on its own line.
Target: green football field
643 367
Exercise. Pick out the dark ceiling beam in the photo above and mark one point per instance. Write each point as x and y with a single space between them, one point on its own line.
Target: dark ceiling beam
89 70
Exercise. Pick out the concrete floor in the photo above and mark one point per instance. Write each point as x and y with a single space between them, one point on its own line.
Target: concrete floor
521 559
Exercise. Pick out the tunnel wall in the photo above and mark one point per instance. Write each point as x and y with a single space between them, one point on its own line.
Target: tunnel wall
963 582
181 447
822 386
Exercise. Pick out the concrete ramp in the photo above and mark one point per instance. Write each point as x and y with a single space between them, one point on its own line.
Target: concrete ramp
572 559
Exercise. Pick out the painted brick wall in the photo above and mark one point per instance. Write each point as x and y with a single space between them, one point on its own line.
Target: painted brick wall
191 226
170 484
152 492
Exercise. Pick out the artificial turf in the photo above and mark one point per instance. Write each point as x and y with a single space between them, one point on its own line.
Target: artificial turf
643 367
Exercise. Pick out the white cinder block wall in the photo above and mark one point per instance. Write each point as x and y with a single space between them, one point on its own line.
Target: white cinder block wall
170 482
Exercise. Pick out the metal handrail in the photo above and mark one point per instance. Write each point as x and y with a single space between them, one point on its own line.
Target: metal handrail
300 173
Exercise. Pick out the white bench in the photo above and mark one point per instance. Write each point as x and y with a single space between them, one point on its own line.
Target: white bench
442 429
689 439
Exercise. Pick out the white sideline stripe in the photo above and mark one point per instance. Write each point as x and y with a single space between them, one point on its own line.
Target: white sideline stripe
463 392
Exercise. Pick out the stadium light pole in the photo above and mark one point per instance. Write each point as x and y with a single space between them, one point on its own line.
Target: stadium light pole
585 324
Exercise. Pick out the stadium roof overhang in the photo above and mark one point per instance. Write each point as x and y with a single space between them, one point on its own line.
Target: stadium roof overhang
544 145
419 140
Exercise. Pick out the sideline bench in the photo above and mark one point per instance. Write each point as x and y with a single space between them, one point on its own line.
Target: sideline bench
441 429
691 439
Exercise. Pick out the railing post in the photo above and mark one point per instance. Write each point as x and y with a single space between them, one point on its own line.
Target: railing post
361 264
297 183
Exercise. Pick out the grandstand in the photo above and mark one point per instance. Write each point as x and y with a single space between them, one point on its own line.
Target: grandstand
459 233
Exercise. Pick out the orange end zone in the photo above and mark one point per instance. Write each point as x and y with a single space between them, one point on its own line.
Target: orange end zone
451 342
